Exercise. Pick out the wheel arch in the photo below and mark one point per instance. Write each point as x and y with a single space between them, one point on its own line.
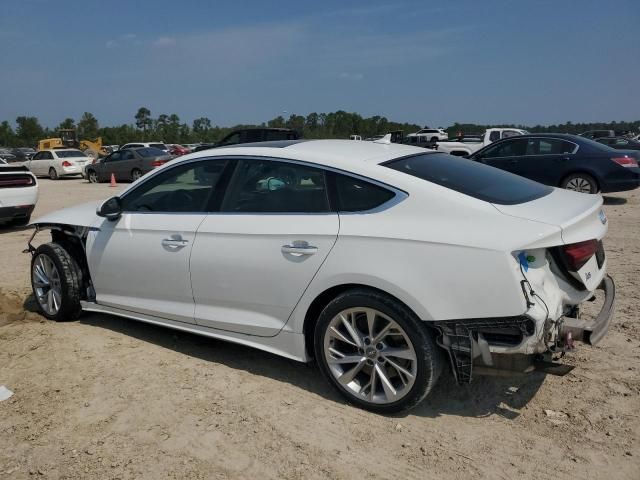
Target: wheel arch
325 297
584 171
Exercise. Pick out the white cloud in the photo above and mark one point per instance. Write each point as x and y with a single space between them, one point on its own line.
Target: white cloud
129 36
111 44
164 42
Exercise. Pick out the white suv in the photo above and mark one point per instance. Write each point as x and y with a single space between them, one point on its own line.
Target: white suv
431 134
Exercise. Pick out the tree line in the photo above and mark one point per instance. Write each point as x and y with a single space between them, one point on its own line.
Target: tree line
169 128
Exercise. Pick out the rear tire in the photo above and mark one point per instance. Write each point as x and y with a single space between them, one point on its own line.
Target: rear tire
56 280
580 182
394 355
53 174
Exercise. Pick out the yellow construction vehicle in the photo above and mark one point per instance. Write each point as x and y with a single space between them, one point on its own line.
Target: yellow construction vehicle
69 139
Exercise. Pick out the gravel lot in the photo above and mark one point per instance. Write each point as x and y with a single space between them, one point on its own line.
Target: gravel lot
104 397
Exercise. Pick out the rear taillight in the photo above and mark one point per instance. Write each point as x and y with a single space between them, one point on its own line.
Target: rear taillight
577 254
9 181
158 163
625 161
66 164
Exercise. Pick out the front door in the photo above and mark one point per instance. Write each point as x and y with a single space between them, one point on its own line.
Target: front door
140 262
252 262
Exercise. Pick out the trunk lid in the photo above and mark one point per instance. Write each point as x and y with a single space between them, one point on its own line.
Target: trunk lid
579 216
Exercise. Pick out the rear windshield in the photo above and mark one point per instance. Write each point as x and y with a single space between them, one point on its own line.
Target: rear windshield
471 178
161 146
150 152
69 153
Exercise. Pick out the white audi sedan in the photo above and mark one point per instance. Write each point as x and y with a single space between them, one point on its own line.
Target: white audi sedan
385 263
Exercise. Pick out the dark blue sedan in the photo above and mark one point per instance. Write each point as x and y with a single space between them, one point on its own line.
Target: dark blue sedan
566 161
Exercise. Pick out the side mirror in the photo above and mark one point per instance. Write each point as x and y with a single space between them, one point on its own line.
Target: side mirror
110 209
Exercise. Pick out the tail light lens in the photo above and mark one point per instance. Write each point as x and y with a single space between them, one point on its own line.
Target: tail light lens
158 163
625 161
577 254
66 164
9 181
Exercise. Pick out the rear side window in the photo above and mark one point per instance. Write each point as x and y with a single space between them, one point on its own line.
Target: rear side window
355 195
471 178
150 152
548 146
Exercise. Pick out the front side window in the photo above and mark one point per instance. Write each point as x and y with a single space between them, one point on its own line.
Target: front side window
267 186
356 195
188 188
128 155
114 157
471 178
510 148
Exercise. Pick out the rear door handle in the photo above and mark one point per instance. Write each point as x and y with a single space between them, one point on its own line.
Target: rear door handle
299 248
176 241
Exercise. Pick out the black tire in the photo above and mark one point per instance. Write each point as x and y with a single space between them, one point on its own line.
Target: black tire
429 357
70 279
136 173
53 174
578 182
434 139
92 176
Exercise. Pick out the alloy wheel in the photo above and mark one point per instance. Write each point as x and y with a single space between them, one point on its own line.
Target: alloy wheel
47 284
579 184
93 177
370 355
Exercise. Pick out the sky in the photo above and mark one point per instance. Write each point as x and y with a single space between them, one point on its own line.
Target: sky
432 63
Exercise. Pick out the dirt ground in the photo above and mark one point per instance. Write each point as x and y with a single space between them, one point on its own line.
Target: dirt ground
108 398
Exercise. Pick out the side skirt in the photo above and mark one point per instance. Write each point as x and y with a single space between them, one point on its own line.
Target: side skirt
285 344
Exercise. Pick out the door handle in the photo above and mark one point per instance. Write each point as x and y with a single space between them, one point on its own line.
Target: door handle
299 248
174 242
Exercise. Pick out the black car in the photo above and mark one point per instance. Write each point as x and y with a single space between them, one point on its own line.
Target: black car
620 143
566 161
7 156
23 153
252 135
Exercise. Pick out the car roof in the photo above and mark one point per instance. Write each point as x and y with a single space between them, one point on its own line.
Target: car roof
342 154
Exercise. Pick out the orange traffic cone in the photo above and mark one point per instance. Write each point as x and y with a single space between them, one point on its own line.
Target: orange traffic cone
113 180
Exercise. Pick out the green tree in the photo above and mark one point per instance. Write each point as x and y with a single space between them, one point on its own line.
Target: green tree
7 136
29 131
201 127
66 124
88 127
143 120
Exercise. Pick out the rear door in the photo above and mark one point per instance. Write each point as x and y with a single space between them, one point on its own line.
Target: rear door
252 262
547 160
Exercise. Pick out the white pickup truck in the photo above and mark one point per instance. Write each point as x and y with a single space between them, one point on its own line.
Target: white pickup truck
469 145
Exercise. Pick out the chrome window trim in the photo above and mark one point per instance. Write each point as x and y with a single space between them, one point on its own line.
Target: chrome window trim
399 195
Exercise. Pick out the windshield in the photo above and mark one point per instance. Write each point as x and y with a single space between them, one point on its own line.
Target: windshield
471 178
150 152
70 154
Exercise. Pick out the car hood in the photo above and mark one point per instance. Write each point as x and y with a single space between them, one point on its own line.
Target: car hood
578 215
83 215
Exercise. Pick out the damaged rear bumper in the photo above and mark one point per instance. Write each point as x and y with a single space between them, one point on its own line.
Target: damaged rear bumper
591 332
468 342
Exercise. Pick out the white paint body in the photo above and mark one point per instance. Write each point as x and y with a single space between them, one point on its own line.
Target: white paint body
444 254
18 196
64 166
